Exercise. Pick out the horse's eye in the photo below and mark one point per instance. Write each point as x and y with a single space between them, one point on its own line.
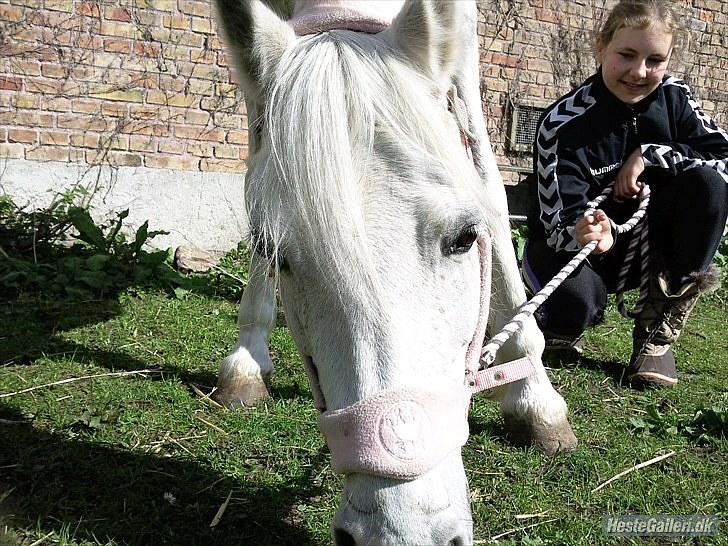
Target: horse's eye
464 241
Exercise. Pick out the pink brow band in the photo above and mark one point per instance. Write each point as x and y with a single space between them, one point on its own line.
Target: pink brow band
312 16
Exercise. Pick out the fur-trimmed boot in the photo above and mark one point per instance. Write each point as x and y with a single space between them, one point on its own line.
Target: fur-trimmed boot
659 324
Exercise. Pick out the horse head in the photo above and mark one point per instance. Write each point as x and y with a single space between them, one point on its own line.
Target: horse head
370 211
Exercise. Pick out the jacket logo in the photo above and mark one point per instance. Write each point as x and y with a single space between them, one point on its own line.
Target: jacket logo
604 170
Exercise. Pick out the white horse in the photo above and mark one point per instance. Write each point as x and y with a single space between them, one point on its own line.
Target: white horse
367 210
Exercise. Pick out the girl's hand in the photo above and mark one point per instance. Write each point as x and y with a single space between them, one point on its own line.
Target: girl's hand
595 227
626 186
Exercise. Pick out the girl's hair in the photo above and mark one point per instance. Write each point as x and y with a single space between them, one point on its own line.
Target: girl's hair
640 14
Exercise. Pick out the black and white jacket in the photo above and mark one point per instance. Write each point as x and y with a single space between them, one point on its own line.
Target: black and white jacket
583 138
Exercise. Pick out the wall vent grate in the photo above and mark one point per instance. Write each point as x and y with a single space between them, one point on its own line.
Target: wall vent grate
524 122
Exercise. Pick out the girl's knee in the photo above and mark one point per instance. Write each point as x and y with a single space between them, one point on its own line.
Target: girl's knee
704 180
570 312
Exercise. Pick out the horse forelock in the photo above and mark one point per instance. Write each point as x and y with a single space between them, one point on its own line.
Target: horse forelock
334 94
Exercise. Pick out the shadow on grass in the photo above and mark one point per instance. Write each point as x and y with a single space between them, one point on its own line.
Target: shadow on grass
33 330
493 429
101 493
613 369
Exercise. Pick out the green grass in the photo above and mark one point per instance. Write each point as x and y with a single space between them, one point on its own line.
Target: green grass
144 460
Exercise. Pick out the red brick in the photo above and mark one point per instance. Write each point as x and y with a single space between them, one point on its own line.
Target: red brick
11 83
53 70
201 9
181 163
89 9
147 49
175 147
22 67
121 159
197 133
84 123
54 138
86 41
48 153
237 137
22 136
47 86
85 140
146 128
118 14
199 150
12 151
26 119
11 14
223 165
117 46
178 22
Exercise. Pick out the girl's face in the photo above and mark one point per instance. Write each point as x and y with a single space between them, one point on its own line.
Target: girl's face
634 61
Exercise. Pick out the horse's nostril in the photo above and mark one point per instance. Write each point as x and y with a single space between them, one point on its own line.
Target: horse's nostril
342 538
457 541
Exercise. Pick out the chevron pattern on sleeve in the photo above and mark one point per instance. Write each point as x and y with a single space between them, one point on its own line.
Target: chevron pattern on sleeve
665 157
568 109
708 123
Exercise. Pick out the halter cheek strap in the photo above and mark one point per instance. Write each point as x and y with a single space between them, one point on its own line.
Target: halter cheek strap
489 378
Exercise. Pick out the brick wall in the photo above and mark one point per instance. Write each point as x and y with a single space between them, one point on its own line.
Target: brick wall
533 51
145 82
127 83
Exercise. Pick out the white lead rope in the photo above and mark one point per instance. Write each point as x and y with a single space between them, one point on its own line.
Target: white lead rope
640 236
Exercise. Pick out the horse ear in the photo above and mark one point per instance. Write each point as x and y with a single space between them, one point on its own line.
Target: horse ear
254 38
426 32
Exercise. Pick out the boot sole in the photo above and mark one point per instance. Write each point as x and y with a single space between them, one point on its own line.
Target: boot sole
652 378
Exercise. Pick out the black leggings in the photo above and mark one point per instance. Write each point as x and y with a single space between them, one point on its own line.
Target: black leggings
686 218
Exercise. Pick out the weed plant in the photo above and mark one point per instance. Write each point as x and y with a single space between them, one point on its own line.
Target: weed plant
60 251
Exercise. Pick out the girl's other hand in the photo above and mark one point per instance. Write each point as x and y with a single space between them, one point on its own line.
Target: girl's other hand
595 227
626 186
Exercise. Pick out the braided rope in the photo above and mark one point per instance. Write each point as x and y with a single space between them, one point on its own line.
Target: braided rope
489 351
